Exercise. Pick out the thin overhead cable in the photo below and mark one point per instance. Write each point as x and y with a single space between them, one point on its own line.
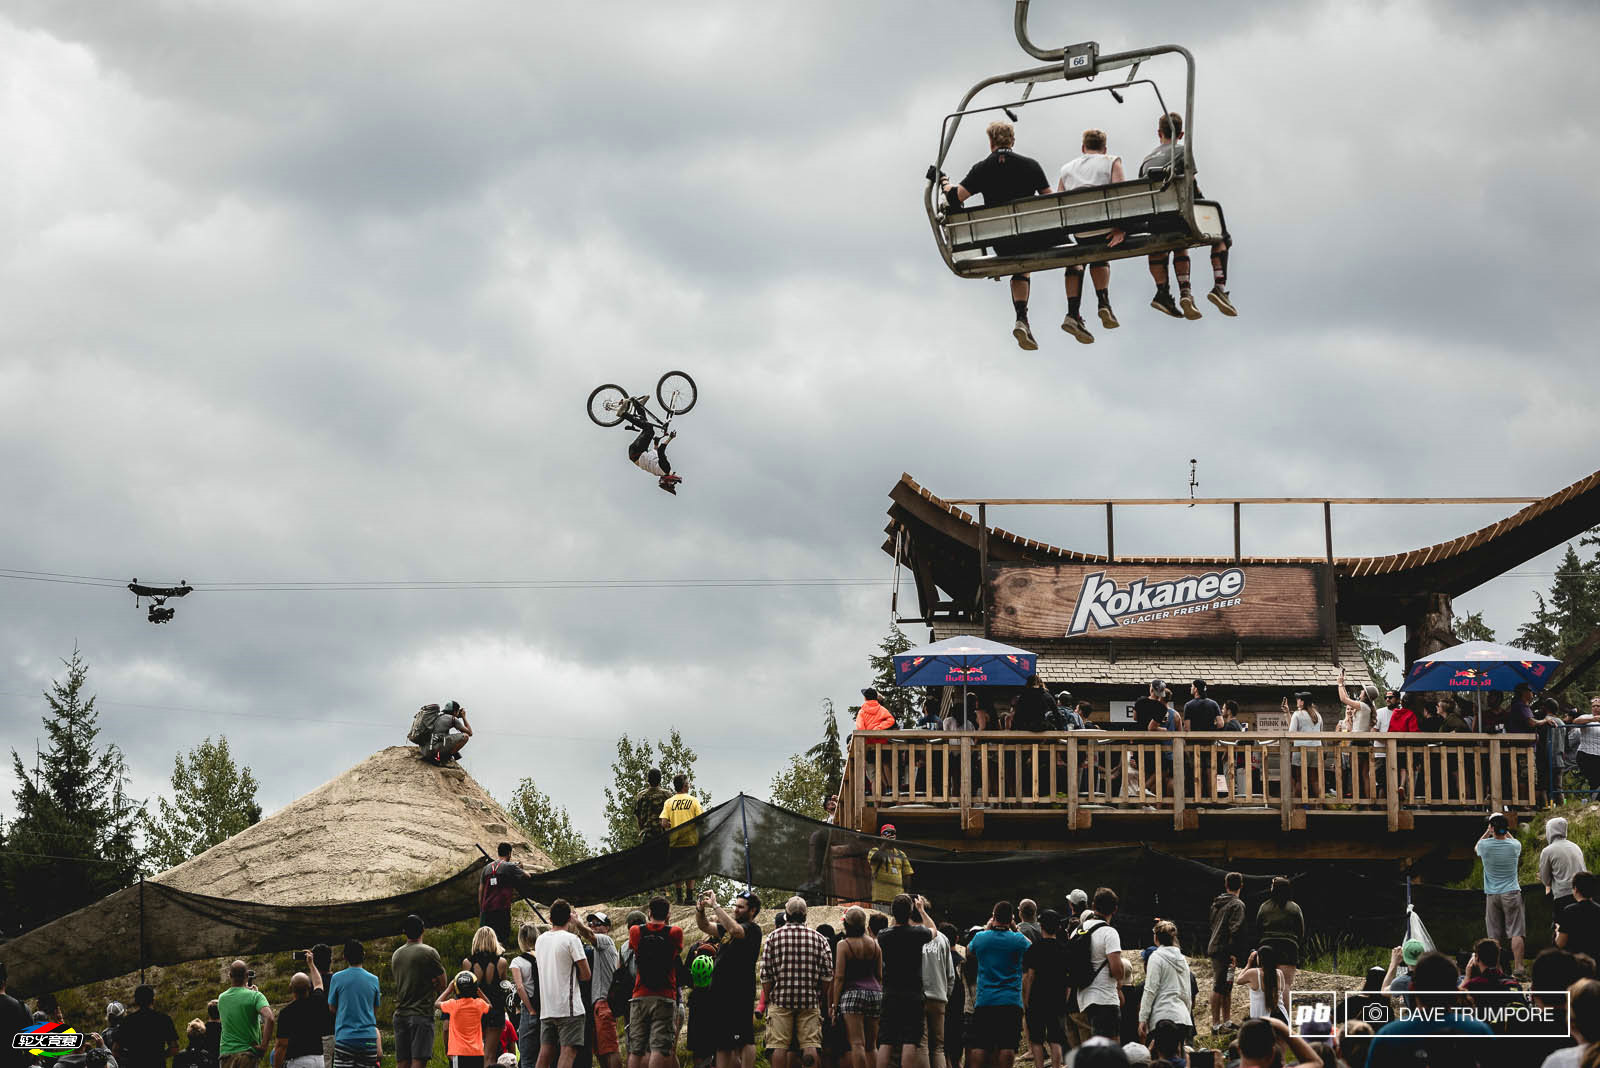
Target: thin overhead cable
429 585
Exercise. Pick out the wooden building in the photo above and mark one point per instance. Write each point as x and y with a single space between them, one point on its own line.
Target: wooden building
1256 628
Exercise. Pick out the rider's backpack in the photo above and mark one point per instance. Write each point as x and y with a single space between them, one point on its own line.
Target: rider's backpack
656 959
1080 955
422 725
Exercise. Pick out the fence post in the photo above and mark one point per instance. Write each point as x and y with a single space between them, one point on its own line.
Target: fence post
1392 775
1072 782
1179 769
1496 787
966 781
858 802
1285 777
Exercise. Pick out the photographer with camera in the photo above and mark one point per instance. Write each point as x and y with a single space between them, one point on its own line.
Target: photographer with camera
247 1020
302 1021
1501 853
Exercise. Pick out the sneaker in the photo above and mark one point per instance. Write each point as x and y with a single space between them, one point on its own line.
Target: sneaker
1024 336
670 483
1074 326
1108 318
1162 302
1186 302
1220 298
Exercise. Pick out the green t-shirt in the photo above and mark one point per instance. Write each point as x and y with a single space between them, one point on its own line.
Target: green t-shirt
240 1009
414 966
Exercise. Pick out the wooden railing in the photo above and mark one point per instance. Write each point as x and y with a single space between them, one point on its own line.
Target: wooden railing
1081 772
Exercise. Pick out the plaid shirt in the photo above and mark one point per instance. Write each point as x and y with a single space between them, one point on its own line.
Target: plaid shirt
795 960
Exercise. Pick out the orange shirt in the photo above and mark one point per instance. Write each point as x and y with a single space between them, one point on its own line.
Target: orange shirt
466 1026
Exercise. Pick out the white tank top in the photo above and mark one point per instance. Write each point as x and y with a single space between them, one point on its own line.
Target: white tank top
1258 1001
1088 170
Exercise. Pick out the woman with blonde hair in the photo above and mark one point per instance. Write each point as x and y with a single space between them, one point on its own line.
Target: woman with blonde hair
488 966
1168 994
525 980
858 976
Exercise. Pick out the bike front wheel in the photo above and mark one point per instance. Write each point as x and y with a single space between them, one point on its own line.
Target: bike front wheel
608 404
676 392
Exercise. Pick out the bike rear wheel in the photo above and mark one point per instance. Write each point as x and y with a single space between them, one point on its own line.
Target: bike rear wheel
677 393
606 404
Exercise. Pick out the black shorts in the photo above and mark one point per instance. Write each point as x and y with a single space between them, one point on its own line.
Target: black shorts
734 1022
995 1027
900 1021
1045 1026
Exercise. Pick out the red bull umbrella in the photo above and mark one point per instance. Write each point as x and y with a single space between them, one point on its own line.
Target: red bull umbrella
1479 666
964 661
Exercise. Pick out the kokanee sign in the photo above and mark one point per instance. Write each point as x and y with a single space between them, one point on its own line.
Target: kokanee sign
1271 603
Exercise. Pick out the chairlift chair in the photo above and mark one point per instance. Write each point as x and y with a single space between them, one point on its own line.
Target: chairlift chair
1158 213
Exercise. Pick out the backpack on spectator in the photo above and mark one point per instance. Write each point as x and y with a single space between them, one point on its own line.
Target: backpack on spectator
621 991
422 725
1080 955
656 960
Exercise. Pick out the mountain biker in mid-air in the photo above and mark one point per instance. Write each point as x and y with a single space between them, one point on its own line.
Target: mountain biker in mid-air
647 451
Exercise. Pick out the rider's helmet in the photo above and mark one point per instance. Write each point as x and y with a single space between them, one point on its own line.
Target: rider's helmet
450 708
466 984
700 971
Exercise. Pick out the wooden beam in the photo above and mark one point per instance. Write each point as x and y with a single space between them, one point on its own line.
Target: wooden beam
1095 502
1111 536
1180 769
1583 657
983 566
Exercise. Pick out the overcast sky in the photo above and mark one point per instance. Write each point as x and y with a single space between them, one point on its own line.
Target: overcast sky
298 291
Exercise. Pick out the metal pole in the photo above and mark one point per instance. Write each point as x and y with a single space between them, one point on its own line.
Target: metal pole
749 884
1327 529
141 929
1111 537
1236 557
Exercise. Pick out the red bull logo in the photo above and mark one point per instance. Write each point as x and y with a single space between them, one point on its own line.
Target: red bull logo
1470 679
908 666
969 676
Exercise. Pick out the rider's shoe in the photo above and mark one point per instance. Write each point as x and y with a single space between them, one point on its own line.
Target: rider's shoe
1220 298
1108 318
1162 302
1186 302
670 483
1074 326
661 442
1024 336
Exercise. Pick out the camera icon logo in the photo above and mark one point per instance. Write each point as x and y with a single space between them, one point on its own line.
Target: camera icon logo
1375 1014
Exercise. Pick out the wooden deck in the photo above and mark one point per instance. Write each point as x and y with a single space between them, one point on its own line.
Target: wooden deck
1356 794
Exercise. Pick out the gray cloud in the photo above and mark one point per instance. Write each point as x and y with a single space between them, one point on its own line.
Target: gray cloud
317 293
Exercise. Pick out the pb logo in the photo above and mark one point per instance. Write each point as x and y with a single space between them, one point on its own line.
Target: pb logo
1319 1013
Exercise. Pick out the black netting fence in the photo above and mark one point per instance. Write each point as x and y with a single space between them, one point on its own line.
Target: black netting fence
753 842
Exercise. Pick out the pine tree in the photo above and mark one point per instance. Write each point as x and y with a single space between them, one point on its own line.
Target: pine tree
212 800
1472 628
1377 657
547 824
73 838
901 702
628 778
1570 613
801 787
828 754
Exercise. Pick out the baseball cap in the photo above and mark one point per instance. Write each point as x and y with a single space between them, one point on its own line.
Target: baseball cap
869 693
1079 899
1411 951
1302 693
597 917
887 828
1499 822
1157 684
